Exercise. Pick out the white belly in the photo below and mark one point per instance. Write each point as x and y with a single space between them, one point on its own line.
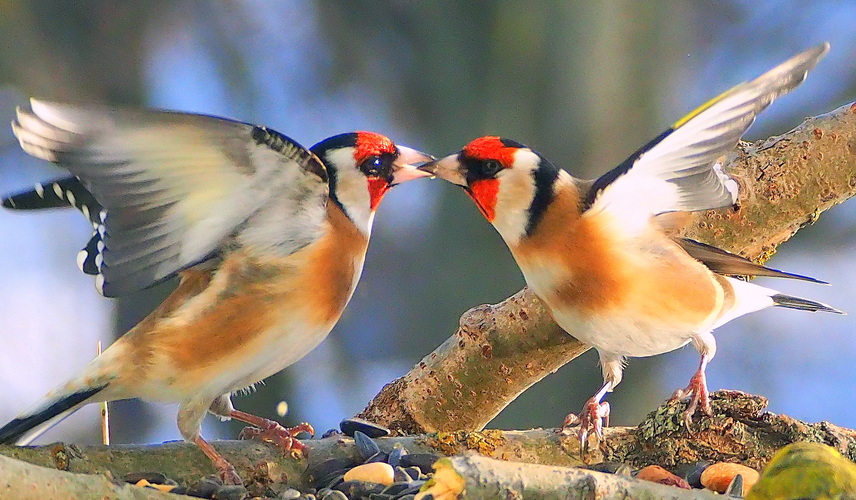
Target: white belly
618 332
621 334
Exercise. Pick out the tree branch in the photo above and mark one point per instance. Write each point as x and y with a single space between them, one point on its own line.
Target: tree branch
739 431
501 350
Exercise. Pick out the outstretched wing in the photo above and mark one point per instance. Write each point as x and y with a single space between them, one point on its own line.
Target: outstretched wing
174 187
678 170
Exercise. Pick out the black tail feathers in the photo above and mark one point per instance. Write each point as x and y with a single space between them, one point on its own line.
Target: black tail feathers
59 193
21 426
792 302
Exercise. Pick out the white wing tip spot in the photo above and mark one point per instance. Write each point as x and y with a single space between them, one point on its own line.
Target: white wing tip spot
40 190
81 258
99 283
57 190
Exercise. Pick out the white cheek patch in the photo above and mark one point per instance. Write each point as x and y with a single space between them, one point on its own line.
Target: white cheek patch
352 189
516 192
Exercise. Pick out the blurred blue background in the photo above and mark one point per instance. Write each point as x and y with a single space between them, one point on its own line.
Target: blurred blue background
585 83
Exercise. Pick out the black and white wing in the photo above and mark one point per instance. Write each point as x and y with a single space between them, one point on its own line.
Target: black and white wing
167 190
679 169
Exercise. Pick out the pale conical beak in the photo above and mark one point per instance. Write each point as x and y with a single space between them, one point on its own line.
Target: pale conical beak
404 167
448 168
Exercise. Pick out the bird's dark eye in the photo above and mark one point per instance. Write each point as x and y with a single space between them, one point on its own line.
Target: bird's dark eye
491 167
375 165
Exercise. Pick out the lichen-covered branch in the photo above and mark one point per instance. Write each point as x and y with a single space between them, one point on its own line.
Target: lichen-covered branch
739 431
501 350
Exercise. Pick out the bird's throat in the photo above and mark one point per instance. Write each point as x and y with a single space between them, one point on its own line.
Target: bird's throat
377 188
484 193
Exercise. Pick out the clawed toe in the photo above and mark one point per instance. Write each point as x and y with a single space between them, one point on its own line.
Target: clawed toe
699 398
591 420
282 437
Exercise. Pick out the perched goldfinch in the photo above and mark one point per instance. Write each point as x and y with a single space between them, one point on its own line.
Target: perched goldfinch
269 240
595 253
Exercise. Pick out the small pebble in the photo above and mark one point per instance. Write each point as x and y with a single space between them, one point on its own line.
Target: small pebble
230 492
372 430
718 476
330 432
366 448
289 494
657 474
376 472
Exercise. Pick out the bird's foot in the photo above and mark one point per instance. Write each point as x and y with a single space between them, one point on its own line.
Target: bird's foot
227 473
272 432
224 468
699 397
591 420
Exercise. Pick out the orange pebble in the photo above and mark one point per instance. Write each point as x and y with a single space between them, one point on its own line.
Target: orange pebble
374 472
718 476
657 474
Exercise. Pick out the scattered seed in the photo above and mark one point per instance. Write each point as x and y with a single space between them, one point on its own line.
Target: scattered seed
378 457
425 461
395 455
692 472
350 425
205 487
359 489
334 465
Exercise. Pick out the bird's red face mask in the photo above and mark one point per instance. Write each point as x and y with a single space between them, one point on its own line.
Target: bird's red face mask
385 165
477 168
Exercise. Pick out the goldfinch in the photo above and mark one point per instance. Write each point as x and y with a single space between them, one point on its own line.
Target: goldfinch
268 238
596 254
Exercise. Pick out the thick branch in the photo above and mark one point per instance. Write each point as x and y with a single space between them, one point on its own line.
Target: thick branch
501 350
484 478
739 431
